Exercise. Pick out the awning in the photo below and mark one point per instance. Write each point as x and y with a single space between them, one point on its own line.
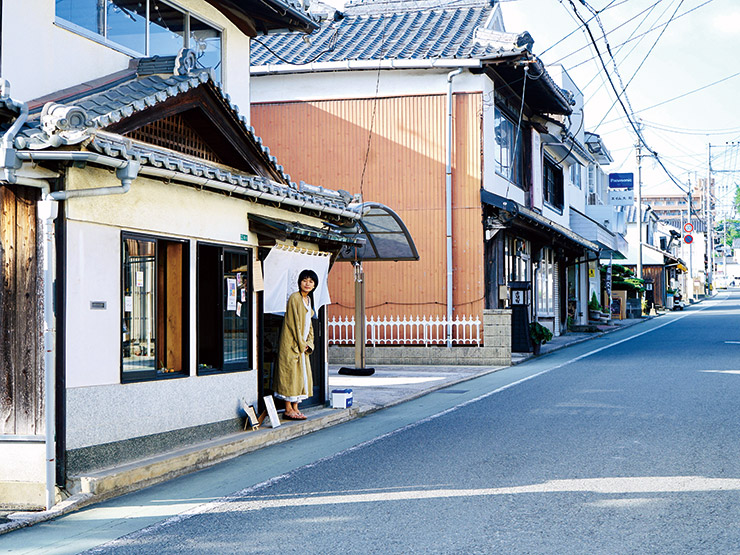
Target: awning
518 213
379 234
384 234
612 245
296 231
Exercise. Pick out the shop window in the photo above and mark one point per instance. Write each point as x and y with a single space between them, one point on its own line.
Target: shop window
509 148
154 316
553 183
143 28
224 319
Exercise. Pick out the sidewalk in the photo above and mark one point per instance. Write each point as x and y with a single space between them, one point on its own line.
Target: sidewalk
389 386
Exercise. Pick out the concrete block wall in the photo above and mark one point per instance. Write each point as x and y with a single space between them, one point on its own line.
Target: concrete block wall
495 351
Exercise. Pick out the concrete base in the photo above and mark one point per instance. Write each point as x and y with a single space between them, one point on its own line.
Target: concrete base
495 351
22 496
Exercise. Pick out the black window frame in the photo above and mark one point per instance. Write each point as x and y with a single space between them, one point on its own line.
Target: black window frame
128 376
215 300
553 189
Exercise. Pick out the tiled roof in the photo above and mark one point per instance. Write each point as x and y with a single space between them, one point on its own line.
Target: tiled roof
89 108
455 30
132 91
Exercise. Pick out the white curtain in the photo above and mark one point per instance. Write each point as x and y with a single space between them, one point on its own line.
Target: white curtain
281 269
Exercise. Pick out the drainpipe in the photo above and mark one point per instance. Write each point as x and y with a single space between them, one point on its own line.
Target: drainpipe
448 200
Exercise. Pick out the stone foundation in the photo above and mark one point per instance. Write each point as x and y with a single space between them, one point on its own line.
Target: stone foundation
496 349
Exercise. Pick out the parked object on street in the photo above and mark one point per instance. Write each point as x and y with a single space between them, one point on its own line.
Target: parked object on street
341 398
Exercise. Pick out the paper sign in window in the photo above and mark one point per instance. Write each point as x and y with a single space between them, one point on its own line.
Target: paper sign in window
230 294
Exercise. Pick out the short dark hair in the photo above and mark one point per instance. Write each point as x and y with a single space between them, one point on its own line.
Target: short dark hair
308 274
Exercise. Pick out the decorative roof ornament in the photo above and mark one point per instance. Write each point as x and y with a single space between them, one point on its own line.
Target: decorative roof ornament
185 62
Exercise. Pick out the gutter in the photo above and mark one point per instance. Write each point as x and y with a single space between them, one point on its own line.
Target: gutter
350 65
240 190
448 199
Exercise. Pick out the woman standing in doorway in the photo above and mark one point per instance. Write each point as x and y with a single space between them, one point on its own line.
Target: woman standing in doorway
293 380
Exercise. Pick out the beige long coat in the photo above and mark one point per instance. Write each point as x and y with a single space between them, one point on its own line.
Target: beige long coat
289 383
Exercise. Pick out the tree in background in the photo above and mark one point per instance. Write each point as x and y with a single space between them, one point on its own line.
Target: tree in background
733 231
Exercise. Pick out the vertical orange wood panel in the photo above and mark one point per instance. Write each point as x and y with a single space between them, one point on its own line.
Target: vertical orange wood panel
326 143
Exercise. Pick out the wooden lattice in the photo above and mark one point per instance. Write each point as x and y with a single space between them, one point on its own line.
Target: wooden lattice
173 132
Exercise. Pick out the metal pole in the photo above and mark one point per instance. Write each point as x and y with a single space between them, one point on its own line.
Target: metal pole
359 316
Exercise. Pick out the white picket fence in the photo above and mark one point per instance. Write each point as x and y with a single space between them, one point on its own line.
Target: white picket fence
466 330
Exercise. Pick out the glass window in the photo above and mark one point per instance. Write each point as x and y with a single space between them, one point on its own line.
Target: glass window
545 282
166 29
575 175
509 149
154 303
205 41
553 183
83 13
125 23
224 309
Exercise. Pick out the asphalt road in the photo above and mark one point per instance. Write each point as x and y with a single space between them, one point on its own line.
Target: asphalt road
623 444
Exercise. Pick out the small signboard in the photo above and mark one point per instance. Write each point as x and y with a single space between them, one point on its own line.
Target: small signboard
688 227
621 180
688 239
621 197
518 296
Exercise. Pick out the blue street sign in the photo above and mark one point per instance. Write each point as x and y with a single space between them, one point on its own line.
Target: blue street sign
621 180
689 239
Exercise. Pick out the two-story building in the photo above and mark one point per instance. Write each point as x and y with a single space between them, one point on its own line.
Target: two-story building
142 218
460 127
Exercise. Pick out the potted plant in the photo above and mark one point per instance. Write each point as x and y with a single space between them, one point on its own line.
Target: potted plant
594 308
539 334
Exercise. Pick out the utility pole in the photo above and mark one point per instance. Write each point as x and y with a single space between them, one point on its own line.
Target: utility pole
639 208
691 246
708 221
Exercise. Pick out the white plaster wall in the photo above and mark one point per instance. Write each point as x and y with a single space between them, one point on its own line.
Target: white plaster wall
359 84
22 462
94 393
103 414
40 57
93 347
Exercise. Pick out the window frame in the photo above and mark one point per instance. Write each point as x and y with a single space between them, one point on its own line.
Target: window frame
105 41
155 374
576 180
515 166
225 367
553 191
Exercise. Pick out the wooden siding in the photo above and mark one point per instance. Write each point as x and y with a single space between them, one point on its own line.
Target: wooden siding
326 143
21 375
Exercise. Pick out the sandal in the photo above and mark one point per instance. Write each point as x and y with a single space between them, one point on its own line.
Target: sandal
296 416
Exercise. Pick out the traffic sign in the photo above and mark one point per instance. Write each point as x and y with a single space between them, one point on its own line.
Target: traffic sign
688 227
688 239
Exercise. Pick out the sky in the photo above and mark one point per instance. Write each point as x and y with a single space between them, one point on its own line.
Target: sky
679 63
